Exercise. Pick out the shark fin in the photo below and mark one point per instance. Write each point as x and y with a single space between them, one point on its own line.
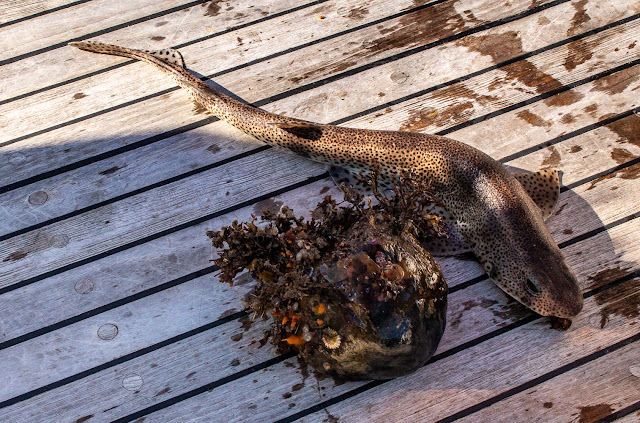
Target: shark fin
306 130
543 187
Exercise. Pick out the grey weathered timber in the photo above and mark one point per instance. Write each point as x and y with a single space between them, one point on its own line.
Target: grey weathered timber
109 307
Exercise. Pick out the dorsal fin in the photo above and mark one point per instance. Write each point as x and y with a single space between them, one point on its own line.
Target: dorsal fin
306 130
543 187
168 55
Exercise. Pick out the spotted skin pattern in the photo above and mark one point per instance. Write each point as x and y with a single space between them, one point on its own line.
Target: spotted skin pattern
499 221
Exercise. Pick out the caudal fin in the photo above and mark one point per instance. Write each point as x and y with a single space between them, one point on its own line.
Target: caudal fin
167 55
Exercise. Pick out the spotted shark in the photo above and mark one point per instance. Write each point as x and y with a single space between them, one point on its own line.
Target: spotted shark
496 214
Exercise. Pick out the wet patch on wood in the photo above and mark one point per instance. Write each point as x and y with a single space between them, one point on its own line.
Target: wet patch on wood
580 17
593 413
579 53
110 170
411 30
501 47
532 118
628 129
617 82
552 160
622 300
268 204
213 8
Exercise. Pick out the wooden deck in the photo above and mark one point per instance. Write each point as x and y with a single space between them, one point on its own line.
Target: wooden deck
109 177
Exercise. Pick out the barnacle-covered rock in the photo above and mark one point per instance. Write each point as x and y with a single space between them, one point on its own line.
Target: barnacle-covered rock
355 294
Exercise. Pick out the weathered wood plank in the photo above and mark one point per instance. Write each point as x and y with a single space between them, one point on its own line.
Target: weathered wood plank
60 196
214 35
27 248
480 372
148 214
75 22
586 393
21 9
17 323
176 155
473 312
163 109
469 299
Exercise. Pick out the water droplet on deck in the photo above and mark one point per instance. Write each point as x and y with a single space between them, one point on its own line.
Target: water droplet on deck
38 198
84 286
132 382
108 331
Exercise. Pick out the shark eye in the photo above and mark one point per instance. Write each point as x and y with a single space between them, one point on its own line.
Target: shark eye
532 287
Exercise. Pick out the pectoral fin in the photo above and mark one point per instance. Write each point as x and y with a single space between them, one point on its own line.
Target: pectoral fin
306 130
453 243
543 187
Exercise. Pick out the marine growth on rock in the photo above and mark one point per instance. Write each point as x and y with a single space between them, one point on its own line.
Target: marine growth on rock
351 290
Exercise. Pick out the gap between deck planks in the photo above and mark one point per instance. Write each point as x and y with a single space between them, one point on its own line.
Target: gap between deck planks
551 154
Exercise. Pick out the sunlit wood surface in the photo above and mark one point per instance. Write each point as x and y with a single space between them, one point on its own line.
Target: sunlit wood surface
110 175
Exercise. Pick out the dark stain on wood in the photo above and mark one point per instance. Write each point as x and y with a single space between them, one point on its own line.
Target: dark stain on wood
567 231
246 322
235 362
158 38
622 155
15 256
628 129
580 17
227 313
358 13
324 189
564 98
575 149
504 46
631 172
557 213
200 109
591 109
553 160
499 47
411 30
84 419
617 82
213 148
297 387
532 118
568 118
162 392
456 319
547 404
622 300
110 170
162 23
236 337
140 420
419 119
593 413
78 96
287 395
606 276
268 204
213 8
190 375
579 52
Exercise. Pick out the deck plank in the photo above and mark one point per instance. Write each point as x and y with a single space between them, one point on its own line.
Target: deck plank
75 22
140 260
564 398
